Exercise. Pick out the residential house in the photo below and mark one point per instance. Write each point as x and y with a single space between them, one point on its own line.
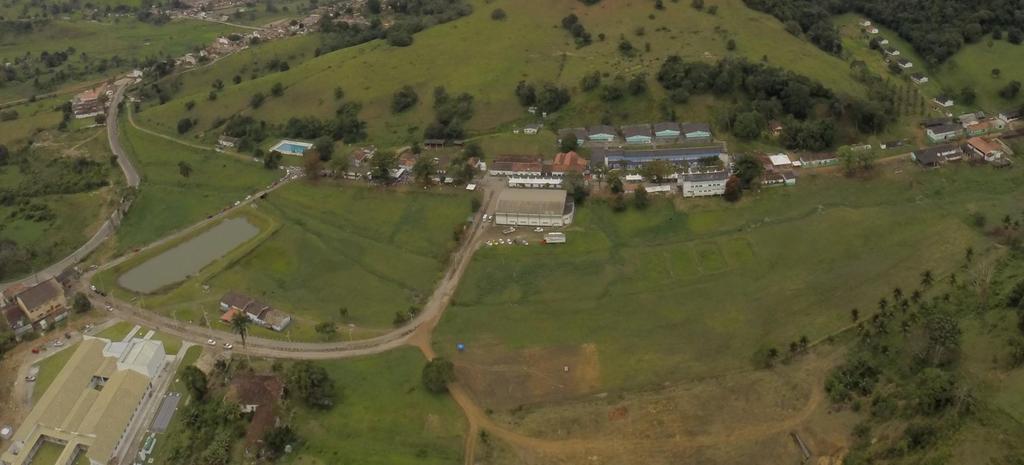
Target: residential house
943 101
667 131
568 162
904 63
918 78
865 23
775 128
1010 116
225 141
779 178
937 155
985 127
891 144
943 132
780 161
883 41
90 102
969 119
892 52
517 165
580 134
16 319
630 159
602 133
703 184
637 134
818 159
531 129
989 150
872 30
696 132
43 303
258 312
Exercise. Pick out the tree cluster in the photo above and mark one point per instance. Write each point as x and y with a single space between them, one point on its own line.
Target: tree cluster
451 115
549 99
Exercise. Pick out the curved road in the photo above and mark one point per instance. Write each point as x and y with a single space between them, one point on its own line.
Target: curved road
107 229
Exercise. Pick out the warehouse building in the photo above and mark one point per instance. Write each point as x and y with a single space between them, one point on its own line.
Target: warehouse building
703 184
534 207
90 405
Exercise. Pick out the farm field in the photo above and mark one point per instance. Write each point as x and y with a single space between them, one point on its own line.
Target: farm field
487 58
640 298
126 38
323 248
168 201
384 417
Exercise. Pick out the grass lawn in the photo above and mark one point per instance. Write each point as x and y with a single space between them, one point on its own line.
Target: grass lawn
385 416
119 330
692 289
47 454
487 58
48 370
324 247
167 201
973 65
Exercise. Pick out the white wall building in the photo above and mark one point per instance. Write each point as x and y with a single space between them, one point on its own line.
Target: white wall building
703 184
534 207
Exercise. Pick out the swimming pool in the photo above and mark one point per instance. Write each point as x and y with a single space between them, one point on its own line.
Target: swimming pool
291 147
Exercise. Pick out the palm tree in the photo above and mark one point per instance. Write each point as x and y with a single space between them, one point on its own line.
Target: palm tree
927 279
240 326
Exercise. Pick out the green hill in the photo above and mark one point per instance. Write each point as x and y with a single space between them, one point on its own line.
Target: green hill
487 58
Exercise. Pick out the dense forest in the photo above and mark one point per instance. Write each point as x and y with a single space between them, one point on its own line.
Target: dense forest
936 28
410 17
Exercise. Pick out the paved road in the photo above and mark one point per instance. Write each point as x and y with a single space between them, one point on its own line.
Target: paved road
109 226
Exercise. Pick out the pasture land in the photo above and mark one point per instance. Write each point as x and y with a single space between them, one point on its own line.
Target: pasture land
168 201
487 58
640 298
323 248
383 416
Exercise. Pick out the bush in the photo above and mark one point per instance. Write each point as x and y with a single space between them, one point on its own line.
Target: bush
498 14
404 99
81 303
184 125
437 374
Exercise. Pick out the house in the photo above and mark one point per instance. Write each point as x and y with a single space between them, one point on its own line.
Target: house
667 130
637 134
904 63
567 162
935 156
985 127
891 144
91 404
531 129
943 101
258 312
696 131
259 395
775 128
434 143
970 119
918 78
943 132
986 149
883 41
872 30
518 165
892 52
780 160
580 134
779 178
865 23
602 133
1010 116
43 303
90 102
630 159
225 141
534 207
814 160
703 184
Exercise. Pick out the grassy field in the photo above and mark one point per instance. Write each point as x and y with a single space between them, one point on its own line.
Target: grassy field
638 298
160 452
487 58
325 247
126 38
168 201
48 370
118 331
385 417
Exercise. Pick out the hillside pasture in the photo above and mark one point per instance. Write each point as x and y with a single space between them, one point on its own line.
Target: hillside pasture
487 58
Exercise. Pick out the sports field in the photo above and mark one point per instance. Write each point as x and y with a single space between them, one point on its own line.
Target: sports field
693 289
324 248
168 201
383 416
487 58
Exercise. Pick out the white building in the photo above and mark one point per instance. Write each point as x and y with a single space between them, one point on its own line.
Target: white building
703 184
534 207
535 183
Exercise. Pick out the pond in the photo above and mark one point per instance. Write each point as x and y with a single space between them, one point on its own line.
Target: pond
186 259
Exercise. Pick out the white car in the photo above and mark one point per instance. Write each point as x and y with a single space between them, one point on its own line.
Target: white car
58 343
228 346
538 230
211 342
109 308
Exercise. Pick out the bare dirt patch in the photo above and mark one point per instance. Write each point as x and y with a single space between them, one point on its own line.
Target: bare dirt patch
504 379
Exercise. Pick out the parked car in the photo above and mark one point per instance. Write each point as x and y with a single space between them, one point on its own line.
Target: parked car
30 379
211 342
228 346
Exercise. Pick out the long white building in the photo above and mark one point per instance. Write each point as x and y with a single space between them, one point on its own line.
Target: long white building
534 207
703 184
